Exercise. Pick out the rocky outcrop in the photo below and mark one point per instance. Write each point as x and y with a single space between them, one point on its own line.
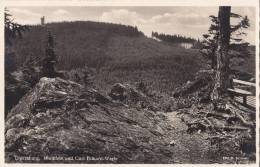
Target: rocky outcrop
201 87
60 121
133 97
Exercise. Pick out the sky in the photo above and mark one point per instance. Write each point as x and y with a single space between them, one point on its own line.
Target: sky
187 21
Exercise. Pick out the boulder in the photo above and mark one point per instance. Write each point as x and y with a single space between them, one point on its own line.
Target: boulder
60 121
202 85
132 96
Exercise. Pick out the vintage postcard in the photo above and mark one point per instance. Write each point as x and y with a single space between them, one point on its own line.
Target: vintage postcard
114 82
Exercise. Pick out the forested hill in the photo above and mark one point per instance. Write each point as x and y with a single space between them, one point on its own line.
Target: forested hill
75 41
120 53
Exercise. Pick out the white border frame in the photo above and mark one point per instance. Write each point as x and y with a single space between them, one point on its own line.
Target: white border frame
17 3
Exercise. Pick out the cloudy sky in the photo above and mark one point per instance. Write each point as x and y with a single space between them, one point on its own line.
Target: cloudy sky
188 21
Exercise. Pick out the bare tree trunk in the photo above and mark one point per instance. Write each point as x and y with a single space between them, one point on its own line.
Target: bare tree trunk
222 71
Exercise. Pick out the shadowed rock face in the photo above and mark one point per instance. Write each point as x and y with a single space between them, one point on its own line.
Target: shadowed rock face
60 119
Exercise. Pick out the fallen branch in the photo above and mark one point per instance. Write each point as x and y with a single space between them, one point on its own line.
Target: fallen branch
217 115
221 137
241 119
236 106
244 122
230 128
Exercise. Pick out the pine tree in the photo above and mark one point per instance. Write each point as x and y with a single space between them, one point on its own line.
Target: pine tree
222 56
50 59
237 47
13 88
12 30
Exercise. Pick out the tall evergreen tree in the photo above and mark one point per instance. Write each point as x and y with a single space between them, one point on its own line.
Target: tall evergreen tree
13 91
237 47
50 59
222 56
12 30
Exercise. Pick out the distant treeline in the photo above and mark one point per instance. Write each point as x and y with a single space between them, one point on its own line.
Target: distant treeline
173 38
110 28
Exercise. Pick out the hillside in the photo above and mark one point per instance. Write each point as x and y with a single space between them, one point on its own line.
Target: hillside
118 53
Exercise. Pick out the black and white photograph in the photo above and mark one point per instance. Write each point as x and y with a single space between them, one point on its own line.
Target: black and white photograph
130 84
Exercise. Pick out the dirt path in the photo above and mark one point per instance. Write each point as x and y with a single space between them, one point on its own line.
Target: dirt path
189 148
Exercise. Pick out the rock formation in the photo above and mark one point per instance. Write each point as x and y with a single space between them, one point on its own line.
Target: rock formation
61 121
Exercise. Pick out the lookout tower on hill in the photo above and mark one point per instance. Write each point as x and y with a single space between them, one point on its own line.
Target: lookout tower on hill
42 20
